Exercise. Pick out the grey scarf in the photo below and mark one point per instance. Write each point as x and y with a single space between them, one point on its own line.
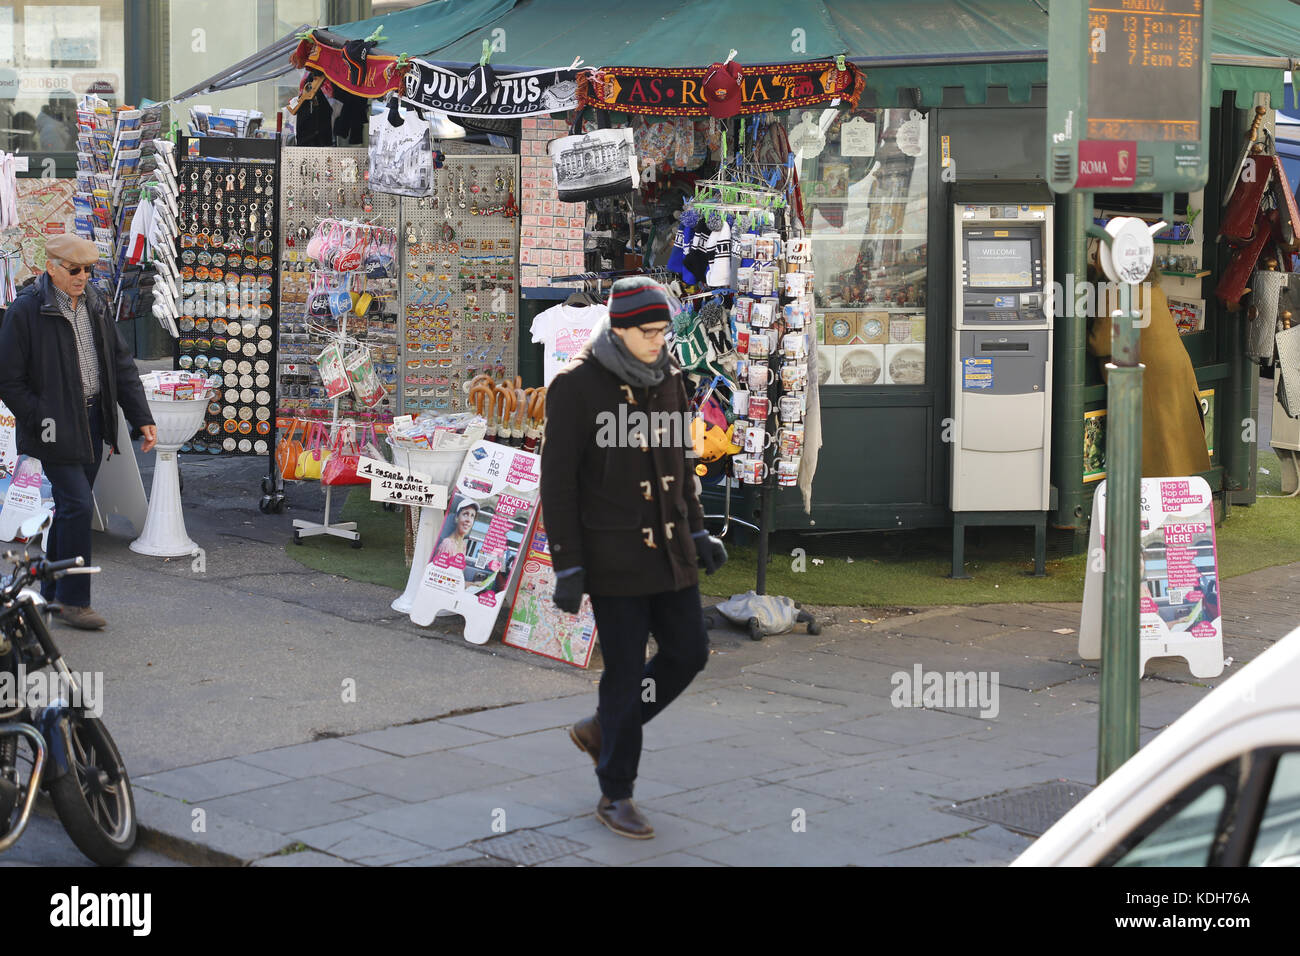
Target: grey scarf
610 352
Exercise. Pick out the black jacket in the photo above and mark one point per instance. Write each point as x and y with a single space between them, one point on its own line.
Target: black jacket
624 513
40 377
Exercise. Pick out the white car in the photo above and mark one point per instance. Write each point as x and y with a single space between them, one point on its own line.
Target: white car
1220 786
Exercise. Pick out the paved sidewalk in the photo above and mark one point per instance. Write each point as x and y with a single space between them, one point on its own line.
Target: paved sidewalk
785 752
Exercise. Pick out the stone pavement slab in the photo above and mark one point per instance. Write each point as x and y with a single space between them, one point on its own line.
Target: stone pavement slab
413 779
219 778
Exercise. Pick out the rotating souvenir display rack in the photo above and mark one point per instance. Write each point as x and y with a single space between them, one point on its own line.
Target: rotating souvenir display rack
319 184
115 155
227 256
461 289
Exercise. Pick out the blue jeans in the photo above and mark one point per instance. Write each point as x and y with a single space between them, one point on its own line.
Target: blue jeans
73 510
627 701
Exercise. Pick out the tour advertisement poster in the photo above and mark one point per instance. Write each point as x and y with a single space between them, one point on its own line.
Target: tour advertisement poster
1180 579
536 624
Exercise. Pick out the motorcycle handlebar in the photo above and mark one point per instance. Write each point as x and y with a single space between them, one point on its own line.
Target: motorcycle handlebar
54 567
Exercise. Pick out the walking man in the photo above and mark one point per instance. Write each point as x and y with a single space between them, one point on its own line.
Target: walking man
624 525
64 370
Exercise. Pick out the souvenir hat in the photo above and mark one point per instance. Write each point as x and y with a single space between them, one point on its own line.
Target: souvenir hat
722 89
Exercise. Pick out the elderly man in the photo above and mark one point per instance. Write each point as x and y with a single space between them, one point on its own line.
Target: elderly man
64 369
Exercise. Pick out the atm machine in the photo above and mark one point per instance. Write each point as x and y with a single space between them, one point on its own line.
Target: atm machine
1002 360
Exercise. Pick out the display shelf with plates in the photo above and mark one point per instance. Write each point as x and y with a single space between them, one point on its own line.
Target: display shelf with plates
865 190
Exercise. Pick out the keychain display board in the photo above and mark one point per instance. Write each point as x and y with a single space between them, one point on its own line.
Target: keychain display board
228 253
475 556
461 248
1178 611
317 184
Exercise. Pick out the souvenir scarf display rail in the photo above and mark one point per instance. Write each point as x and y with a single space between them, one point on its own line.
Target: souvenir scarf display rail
226 255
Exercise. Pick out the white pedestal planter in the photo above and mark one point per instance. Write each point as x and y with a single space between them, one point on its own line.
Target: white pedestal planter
164 534
442 467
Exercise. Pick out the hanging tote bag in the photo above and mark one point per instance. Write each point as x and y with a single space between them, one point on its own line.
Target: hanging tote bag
591 165
314 454
341 468
288 450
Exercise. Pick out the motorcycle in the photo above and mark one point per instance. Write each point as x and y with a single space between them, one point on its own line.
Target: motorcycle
55 745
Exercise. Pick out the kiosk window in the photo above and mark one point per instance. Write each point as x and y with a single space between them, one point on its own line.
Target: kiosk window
864 184
999 264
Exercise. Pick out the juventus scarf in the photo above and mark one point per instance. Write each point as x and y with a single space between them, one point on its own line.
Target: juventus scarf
481 92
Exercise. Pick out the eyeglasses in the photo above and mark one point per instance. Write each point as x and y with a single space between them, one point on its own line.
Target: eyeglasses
75 270
651 334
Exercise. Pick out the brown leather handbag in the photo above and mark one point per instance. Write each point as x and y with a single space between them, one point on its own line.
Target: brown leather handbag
1232 284
1238 225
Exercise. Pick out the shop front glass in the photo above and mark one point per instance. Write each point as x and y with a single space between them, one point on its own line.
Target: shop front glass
865 202
50 55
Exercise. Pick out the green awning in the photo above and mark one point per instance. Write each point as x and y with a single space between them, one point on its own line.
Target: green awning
417 31
903 44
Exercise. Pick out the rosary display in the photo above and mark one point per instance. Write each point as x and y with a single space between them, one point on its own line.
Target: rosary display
227 258
461 271
326 198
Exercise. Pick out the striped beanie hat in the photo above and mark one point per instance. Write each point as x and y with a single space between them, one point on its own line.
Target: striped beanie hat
637 300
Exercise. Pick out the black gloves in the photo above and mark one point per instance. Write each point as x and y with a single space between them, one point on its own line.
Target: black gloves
568 590
711 552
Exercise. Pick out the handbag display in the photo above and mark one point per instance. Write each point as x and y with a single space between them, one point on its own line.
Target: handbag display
1233 283
314 455
287 451
1238 225
341 467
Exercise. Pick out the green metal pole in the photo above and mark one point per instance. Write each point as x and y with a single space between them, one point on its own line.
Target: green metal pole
1071 341
1118 729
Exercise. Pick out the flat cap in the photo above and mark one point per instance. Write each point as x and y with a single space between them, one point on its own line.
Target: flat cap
72 249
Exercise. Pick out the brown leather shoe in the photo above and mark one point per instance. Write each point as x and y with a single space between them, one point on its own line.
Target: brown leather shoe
586 735
83 618
624 818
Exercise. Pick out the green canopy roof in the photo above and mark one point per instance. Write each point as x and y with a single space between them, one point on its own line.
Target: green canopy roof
902 43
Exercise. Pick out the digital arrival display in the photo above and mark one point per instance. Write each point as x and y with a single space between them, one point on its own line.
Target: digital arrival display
1144 83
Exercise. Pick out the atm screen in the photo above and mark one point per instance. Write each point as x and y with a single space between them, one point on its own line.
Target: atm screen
999 263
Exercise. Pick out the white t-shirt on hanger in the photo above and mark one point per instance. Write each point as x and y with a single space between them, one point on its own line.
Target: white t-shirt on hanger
718 248
563 330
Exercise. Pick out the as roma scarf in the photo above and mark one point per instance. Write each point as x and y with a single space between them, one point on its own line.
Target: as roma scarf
680 92
372 75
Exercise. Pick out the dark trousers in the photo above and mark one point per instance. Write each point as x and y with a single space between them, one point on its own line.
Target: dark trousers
73 510
632 689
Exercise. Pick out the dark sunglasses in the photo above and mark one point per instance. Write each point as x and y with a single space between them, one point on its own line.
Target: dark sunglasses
75 270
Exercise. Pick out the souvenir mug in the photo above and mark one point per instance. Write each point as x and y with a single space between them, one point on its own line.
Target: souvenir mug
759 376
746 245
742 371
759 408
744 278
760 346
757 438
796 283
791 408
740 402
787 473
742 310
795 314
795 346
752 471
789 442
794 375
742 339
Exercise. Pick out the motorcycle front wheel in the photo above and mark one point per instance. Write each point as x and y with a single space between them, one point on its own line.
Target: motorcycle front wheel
94 801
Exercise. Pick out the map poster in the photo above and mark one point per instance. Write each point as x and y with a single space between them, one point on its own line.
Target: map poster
44 210
536 624
1178 600
475 552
